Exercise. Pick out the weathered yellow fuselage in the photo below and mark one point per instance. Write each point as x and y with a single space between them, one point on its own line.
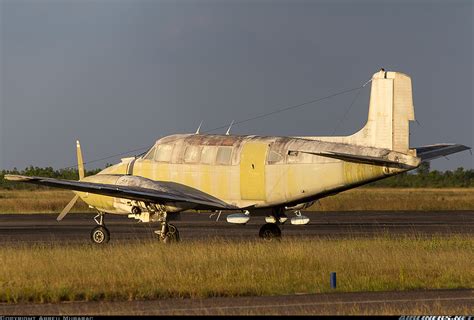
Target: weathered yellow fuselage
259 172
245 171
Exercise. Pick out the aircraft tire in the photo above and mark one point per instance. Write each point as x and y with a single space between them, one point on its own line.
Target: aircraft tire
172 234
270 232
100 235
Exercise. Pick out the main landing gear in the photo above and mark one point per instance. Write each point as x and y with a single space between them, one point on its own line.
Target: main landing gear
270 232
100 234
168 232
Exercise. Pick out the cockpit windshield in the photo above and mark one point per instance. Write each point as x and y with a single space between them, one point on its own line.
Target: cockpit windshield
150 154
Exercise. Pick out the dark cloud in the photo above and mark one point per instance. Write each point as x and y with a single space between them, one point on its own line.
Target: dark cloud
120 74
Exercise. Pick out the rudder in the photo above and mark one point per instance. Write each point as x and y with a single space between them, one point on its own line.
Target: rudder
390 110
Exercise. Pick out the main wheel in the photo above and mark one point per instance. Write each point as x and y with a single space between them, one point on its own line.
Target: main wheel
171 234
269 232
100 235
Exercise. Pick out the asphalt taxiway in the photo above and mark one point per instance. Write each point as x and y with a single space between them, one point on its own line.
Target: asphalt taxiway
395 302
76 227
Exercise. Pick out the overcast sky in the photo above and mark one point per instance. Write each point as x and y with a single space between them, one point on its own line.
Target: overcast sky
120 74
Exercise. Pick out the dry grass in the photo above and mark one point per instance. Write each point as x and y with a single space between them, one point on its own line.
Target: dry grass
418 309
362 199
205 269
384 309
349 309
414 199
38 201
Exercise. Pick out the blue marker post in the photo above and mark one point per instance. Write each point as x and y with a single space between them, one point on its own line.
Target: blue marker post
333 280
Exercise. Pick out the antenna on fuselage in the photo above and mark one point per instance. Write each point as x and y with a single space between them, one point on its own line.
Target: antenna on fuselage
228 130
199 128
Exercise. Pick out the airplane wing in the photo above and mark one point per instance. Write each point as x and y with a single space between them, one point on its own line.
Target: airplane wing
162 193
439 150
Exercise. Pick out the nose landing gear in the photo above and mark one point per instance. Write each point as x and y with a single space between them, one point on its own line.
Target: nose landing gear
100 234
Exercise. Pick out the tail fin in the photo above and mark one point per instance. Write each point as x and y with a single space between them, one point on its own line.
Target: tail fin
390 110
80 162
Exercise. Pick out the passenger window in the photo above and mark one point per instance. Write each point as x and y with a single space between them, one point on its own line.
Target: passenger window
163 152
151 154
208 155
224 155
192 154
299 157
293 156
306 157
274 157
316 159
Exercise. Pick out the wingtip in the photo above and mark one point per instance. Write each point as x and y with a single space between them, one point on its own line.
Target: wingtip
462 147
15 177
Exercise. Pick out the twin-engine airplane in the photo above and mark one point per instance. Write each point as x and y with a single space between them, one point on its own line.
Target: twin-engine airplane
255 175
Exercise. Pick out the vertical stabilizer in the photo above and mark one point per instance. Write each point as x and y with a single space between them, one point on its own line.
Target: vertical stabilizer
390 110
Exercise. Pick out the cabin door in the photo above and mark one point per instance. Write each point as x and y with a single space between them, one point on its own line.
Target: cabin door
252 170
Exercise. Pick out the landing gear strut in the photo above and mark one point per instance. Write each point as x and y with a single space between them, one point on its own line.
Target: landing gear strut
168 232
100 234
270 232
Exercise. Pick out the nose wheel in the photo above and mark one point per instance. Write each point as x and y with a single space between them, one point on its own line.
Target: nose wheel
100 235
270 232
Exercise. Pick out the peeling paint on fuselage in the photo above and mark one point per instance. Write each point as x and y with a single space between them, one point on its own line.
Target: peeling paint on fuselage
288 171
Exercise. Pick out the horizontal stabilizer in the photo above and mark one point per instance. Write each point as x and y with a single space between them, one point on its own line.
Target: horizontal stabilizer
439 150
361 159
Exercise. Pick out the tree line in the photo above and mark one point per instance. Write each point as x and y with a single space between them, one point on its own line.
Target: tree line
48 172
422 177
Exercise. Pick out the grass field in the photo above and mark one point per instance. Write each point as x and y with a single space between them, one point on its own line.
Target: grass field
414 199
362 199
38 201
151 270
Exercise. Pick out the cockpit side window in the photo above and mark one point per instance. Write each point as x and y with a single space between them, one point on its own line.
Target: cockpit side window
163 152
150 154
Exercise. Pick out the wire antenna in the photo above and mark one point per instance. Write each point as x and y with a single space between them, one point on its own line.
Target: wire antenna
265 115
